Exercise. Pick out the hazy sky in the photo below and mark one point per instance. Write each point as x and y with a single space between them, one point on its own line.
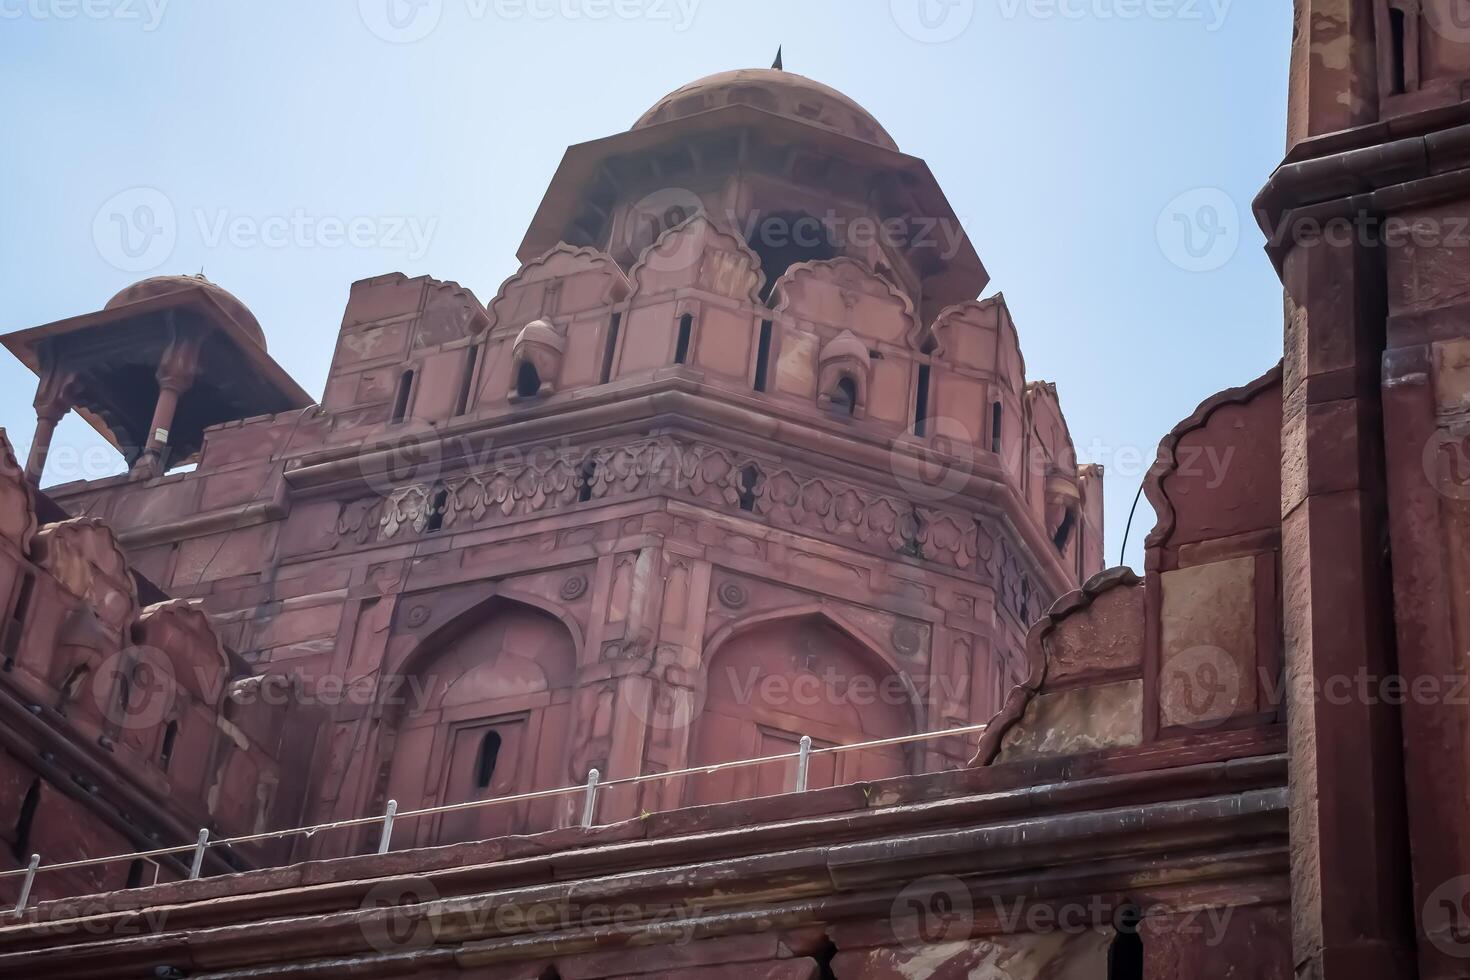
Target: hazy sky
1101 153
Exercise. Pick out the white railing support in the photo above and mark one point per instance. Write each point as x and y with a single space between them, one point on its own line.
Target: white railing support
387 836
803 762
589 808
25 888
198 864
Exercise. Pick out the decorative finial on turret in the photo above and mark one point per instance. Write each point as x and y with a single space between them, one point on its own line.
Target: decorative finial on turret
777 63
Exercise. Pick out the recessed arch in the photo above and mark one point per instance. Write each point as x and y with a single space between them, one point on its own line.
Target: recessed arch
777 675
482 707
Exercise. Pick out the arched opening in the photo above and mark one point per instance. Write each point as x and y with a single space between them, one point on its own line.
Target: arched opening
400 397
785 238
995 423
166 751
528 380
1125 953
844 396
1064 530
490 714
681 346
586 479
20 841
489 755
438 504
781 679
749 478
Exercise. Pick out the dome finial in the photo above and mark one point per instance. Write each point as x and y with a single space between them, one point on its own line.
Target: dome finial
777 63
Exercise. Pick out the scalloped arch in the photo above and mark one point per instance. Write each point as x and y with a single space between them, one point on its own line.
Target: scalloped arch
80 550
815 267
1007 331
701 224
575 259
165 624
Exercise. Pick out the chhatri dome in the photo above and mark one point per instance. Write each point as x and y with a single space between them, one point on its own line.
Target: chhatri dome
773 90
160 285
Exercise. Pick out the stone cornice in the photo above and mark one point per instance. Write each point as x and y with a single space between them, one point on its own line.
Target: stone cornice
479 903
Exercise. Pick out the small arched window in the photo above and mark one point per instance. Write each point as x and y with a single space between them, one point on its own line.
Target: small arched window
1125 954
749 477
485 761
1064 530
586 479
528 381
844 397
438 504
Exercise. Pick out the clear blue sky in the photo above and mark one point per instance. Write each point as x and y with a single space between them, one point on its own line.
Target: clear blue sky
1063 132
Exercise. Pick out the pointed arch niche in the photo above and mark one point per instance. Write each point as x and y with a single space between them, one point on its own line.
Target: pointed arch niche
483 709
772 679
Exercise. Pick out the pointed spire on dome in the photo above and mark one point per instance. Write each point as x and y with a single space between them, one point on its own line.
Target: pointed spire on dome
777 63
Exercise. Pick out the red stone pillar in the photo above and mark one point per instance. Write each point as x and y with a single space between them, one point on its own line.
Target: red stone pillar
176 372
1349 852
53 400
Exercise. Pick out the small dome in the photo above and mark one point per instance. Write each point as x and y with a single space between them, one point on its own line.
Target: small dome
540 332
782 92
162 285
844 345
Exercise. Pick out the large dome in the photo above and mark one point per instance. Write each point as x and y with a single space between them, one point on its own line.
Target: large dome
161 285
773 90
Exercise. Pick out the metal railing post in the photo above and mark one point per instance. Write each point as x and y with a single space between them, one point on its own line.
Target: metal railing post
803 762
589 809
25 888
198 864
387 837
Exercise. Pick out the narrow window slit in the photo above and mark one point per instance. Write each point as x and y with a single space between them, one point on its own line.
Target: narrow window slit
400 399
686 330
921 401
438 504
611 348
166 753
763 356
462 402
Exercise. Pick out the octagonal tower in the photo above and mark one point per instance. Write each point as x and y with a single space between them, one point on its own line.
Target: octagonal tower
735 456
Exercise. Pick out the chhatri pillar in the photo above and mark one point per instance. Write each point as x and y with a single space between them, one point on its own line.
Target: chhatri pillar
176 373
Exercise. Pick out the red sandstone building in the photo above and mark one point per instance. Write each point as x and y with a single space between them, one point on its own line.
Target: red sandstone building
735 458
